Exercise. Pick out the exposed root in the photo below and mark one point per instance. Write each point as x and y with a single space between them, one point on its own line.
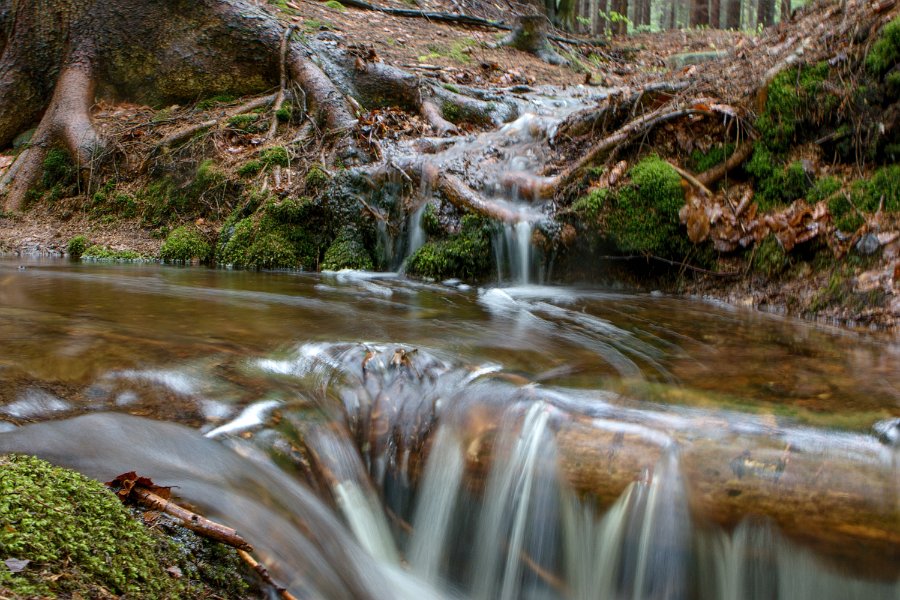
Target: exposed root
283 83
67 122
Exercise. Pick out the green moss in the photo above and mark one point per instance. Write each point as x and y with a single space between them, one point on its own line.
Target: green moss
247 123
104 253
58 168
770 259
79 537
347 252
466 255
215 101
823 189
591 205
884 186
276 155
270 250
76 246
450 88
317 24
185 244
792 97
335 5
431 225
250 168
776 185
644 217
703 161
285 113
316 177
885 52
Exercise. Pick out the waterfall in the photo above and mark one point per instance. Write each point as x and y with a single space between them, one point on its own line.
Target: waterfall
515 524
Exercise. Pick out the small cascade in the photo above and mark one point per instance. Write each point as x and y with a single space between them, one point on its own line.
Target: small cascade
416 236
438 499
522 492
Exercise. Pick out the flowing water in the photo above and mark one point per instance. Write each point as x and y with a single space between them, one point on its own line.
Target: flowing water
377 437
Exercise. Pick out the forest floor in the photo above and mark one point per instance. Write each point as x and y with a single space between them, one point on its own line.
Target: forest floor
856 289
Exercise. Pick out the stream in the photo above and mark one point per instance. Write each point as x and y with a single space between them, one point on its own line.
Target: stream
378 437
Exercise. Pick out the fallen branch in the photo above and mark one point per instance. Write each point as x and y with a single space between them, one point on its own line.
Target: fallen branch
692 180
187 132
191 520
737 158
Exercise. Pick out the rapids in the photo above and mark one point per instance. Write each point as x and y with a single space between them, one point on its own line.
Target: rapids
377 437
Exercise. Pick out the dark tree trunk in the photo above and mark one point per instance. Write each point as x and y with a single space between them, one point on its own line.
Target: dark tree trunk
765 12
785 10
643 12
732 14
715 13
699 12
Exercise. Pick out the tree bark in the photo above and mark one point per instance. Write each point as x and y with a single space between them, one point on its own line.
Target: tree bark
765 12
732 14
699 13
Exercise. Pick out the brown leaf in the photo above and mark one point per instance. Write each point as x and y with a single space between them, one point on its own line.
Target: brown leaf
127 481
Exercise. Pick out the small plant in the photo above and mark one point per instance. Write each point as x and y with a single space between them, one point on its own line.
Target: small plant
103 253
76 246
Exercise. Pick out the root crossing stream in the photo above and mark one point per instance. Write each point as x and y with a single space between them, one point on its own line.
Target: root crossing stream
377 437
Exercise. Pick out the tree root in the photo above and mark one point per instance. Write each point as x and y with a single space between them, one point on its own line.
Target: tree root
67 122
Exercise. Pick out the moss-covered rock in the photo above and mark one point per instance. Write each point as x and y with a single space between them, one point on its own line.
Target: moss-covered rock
776 184
643 216
77 535
589 206
185 244
793 97
347 252
467 255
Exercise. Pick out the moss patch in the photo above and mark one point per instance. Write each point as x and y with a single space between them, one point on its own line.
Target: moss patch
347 252
885 52
644 214
77 535
76 246
185 244
794 96
104 253
466 255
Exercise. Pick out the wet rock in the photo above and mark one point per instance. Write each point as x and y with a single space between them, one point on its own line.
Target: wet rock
888 431
868 244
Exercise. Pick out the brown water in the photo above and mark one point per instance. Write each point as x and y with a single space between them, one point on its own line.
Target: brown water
541 394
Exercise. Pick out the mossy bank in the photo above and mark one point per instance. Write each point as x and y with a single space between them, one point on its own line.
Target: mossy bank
70 536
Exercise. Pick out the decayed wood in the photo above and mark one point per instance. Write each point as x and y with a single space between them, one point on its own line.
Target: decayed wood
191 520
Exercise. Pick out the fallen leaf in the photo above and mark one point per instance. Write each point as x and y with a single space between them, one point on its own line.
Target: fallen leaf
16 565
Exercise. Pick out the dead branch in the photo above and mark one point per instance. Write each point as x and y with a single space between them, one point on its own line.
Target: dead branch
639 126
187 132
691 180
191 520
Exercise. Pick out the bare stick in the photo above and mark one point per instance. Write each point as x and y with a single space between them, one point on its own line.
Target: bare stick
737 158
191 520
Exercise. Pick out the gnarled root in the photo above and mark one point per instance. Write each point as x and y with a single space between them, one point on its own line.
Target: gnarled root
67 122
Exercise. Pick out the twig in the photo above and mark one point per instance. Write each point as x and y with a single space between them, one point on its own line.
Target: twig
183 134
191 520
737 158
264 574
691 180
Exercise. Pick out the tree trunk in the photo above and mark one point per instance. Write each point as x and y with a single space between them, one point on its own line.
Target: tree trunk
732 14
785 10
765 12
59 55
715 13
699 13
618 16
